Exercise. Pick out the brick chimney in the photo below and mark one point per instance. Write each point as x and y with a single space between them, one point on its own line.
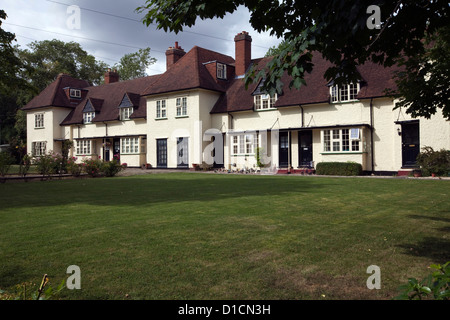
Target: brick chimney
243 56
173 54
111 76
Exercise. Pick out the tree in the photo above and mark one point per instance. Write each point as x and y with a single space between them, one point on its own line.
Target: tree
10 63
424 84
343 32
48 58
133 65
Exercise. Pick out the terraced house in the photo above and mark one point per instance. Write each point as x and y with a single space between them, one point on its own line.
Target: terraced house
200 111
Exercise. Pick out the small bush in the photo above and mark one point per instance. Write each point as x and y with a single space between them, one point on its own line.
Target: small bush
5 162
93 167
339 168
110 169
73 167
431 161
435 286
48 164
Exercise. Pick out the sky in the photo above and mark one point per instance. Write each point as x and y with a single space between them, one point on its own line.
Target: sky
110 29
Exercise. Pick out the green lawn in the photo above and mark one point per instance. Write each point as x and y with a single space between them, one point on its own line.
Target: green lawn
212 236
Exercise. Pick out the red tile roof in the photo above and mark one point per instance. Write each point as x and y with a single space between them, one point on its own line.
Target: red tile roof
190 72
54 94
112 95
375 80
194 71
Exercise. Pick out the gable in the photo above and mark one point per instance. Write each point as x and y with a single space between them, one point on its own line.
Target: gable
88 107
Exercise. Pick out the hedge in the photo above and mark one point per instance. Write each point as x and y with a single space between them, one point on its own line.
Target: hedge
339 168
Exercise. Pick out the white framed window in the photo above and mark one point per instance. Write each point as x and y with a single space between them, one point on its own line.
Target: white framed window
130 145
39 148
344 93
161 111
39 120
88 116
125 113
243 144
181 106
75 93
84 147
221 71
341 140
265 101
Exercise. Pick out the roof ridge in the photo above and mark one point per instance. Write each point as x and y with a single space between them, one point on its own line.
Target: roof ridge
55 90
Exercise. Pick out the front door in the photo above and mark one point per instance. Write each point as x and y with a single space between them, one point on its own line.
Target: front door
161 153
182 153
305 148
116 143
410 143
107 148
283 159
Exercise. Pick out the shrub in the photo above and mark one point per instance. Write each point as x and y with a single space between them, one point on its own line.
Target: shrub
110 169
25 165
92 167
339 168
46 164
5 162
436 285
73 167
432 161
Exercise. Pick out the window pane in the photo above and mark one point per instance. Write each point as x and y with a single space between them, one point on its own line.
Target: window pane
335 134
326 140
344 93
353 88
345 140
336 145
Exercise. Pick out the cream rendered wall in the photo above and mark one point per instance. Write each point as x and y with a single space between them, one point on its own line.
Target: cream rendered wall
51 131
192 126
117 129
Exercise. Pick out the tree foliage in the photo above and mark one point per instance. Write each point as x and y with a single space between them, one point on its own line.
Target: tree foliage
424 84
338 30
48 58
134 65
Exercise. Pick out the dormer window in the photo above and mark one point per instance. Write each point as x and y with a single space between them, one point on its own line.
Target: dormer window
265 101
344 93
125 113
91 108
221 71
75 93
88 116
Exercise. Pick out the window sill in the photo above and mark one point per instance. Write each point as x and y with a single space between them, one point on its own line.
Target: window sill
180 117
39 128
342 152
268 109
243 155
345 102
157 119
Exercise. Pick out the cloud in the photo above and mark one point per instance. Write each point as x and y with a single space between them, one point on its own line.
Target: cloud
110 29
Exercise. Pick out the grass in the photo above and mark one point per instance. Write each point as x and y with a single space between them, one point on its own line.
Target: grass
206 236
